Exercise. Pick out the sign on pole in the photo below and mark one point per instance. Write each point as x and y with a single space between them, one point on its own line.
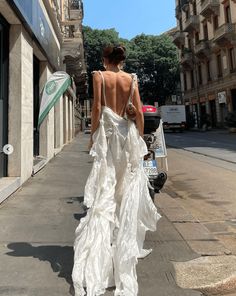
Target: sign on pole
159 146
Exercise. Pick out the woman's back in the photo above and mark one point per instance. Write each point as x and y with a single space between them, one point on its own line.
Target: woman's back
113 89
117 90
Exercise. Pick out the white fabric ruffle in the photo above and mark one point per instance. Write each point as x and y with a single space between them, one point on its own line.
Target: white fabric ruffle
109 240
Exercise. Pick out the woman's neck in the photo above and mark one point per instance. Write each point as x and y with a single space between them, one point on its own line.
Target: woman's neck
113 68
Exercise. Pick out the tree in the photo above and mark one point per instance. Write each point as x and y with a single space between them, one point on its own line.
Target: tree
94 42
153 58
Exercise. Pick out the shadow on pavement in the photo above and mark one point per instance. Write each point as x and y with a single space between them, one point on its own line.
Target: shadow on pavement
60 257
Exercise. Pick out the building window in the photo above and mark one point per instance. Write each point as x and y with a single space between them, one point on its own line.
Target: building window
208 67
190 43
180 24
215 22
187 14
182 51
199 74
228 14
196 37
192 79
219 65
185 81
231 59
205 31
194 8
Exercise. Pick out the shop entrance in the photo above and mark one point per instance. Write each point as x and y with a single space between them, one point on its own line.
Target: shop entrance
4 56
233 96
213 113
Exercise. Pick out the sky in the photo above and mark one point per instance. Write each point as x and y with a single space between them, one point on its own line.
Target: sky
130 17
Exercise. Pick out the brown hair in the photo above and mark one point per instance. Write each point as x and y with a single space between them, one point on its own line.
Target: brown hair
114 54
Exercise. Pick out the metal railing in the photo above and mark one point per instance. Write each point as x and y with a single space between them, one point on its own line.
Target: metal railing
224 30
193 20
202 45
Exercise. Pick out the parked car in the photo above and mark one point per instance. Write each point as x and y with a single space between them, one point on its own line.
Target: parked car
151 118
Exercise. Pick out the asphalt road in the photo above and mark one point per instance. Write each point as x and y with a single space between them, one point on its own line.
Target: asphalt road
219 144
202 177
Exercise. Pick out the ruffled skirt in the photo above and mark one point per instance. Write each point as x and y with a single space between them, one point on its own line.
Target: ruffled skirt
109 240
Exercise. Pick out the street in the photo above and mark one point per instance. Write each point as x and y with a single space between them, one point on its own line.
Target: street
218 144
202 174
194 246
37 233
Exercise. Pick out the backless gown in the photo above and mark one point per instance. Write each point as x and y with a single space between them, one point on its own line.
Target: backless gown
109 239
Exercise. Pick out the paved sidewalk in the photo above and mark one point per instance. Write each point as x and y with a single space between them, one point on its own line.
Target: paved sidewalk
37 233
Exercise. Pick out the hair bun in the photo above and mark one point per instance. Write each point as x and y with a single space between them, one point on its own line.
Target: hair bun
115 54
119 49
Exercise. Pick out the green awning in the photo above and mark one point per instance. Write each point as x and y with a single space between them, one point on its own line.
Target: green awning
54 88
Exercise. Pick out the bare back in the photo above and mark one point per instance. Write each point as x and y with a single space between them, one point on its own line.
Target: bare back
117 91
117 88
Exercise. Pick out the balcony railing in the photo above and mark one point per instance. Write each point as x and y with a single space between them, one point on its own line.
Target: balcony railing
192 24
202 49
210 7
184 4
179 38
76 4
225 34
187 59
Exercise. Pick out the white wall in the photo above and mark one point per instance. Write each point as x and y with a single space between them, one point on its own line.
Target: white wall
20 135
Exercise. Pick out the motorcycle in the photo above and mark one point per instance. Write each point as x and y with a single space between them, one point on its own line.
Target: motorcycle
157 178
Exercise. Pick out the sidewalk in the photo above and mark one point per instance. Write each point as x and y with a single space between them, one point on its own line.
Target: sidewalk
37 233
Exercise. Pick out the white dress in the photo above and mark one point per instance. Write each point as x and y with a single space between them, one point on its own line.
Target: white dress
109 240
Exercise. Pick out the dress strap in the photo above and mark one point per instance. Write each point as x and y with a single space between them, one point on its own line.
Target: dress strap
133 85
103 87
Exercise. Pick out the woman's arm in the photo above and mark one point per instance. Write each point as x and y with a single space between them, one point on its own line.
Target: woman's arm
96 108
139 112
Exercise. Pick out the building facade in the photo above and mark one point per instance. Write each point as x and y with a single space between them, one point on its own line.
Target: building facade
34 43
206 38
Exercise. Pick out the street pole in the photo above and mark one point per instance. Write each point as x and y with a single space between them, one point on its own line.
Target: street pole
197 88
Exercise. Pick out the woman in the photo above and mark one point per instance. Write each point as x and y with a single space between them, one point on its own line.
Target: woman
109 240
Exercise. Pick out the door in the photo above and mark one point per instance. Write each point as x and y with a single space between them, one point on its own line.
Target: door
36 105
213 113
4 52
233 96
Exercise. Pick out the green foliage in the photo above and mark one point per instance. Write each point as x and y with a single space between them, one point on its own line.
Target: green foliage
153 58
94 41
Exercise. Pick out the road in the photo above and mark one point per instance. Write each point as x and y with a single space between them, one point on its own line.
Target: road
218 144
202 174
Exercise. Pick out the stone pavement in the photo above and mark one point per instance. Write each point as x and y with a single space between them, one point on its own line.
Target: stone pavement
37 233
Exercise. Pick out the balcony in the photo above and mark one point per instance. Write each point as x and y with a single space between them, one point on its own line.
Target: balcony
192 24
177 12
179 38
184 4
72 47
210 7
202 49
76 14
187 60
225 35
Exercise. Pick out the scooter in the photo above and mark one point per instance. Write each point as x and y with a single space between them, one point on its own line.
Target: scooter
157 178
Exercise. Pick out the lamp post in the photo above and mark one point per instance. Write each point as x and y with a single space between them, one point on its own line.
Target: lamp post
194 61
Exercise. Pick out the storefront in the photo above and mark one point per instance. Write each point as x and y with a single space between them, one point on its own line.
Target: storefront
4 53
35 42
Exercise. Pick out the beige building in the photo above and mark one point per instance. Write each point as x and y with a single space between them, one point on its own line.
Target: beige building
37 38
206 38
